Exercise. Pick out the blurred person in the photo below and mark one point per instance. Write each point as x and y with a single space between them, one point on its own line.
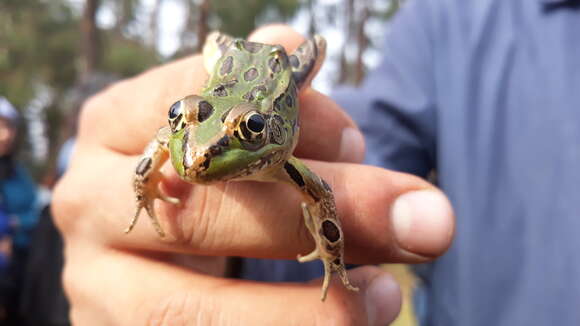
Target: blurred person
43 301
115 279
486 94
18 203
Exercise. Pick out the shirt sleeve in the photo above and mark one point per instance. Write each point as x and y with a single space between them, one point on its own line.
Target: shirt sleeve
395 105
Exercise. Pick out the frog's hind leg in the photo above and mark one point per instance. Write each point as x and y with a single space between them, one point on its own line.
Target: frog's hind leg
147 178
321 220
307 59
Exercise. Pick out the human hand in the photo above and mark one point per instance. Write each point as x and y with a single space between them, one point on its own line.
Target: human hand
117 279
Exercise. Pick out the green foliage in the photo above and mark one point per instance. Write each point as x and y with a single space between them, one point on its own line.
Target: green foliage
239 18
39 41
124 57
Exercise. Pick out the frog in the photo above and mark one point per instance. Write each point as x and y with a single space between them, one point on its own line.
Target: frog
244 126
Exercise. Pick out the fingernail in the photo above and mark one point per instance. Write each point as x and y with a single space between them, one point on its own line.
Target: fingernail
423 222
352 146
383 300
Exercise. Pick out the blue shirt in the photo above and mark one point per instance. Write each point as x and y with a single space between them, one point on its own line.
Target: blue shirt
487 94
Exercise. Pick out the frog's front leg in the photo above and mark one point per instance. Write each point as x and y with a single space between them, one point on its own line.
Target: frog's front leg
321 220
147 178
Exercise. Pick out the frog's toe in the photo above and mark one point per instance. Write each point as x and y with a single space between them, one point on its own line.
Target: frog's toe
145 202
169 199
153 217
310 257
345 281
134 220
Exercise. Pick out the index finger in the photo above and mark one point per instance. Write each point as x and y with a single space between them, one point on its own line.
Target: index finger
132 111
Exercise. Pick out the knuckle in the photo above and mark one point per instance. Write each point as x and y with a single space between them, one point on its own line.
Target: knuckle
71 281
65 205
91 110
94 108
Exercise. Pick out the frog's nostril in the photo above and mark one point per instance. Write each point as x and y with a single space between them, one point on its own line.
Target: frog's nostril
224 141
215 150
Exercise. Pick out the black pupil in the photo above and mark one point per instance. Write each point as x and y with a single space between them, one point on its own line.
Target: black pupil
174 110
256 122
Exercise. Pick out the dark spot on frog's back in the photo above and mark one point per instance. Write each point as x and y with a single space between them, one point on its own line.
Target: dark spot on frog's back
220 91
143 166
294 61
227 65
289 101
278 104
274 65
294 174
251 74
251 95
330 231
252 47
204 111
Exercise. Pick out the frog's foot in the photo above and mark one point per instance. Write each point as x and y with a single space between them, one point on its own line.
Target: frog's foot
307 60
329 249
146 180
146 193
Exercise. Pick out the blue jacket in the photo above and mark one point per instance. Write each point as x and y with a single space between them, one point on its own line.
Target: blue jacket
18 195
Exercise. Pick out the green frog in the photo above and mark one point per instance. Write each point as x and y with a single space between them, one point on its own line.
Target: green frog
244 126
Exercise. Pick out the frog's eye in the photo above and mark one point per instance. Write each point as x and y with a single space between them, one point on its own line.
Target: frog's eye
176 116
252 126
251 130
255 122
175 110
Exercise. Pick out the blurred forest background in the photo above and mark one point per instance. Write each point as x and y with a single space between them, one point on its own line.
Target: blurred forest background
52 52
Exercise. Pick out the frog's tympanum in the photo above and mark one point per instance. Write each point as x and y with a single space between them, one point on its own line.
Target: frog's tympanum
244 126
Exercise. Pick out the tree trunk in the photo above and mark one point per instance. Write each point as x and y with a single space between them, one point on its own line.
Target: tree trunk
362 42
90 44
349 24
312 18
202 25
186 32
154 24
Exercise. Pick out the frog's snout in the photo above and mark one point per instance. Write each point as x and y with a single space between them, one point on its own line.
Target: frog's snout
198 164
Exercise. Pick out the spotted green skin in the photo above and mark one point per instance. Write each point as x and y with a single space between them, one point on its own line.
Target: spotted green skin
252 73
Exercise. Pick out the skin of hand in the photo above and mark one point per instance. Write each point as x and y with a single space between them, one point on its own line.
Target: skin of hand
139 279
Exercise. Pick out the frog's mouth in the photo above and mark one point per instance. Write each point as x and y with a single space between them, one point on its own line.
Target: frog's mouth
197 162
232 165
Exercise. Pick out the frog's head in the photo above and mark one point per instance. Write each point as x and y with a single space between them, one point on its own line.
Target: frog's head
208 144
